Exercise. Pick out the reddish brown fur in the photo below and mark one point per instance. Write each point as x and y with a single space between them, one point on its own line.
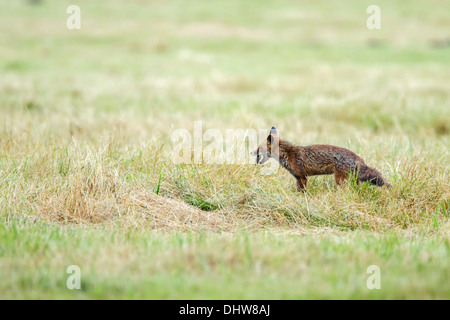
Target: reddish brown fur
313 160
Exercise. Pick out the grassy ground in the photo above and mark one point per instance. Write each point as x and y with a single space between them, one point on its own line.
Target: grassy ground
86 170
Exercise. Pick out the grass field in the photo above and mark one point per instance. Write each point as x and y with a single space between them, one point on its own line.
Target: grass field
86 164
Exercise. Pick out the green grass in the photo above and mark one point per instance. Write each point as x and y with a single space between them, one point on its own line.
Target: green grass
138 264
86 169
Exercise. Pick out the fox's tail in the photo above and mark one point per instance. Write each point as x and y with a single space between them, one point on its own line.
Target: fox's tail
366 173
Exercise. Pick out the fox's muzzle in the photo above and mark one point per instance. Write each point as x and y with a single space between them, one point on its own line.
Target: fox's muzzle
261 158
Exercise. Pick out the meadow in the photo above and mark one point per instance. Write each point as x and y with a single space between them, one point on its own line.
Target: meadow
87 176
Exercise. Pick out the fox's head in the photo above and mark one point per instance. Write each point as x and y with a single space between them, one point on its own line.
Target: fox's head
265 150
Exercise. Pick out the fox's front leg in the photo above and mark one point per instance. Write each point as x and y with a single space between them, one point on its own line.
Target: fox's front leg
301 183
340 176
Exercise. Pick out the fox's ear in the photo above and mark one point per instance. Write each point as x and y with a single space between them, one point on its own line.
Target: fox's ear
273 131
270 139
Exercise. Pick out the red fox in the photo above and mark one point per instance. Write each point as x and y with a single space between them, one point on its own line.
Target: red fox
317 159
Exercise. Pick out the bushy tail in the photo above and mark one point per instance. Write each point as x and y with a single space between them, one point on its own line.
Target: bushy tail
366 173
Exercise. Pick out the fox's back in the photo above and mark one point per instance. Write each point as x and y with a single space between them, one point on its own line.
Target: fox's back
324 158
